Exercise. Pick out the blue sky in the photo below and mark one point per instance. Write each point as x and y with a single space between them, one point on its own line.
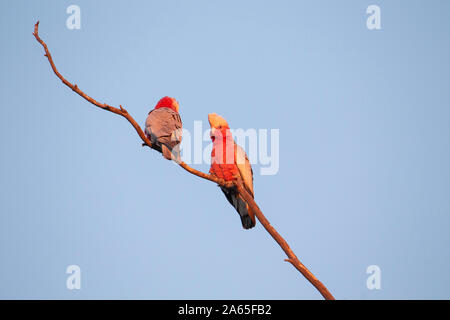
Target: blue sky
364 130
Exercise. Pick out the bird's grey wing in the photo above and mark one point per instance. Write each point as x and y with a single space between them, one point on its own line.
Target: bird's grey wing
177 133
151 129
164 125
245 168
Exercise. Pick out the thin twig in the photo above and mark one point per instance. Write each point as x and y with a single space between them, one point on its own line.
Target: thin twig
249 199
120 111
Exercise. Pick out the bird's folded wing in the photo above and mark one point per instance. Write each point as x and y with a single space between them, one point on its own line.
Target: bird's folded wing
165 124
245 168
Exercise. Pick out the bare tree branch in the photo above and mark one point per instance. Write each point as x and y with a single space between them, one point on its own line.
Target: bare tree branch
120 111
248 198
283 244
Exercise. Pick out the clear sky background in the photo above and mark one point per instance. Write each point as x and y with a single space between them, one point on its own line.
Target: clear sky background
364 173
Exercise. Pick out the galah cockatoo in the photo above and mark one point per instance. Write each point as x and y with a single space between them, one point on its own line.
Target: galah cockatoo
229 161
163 127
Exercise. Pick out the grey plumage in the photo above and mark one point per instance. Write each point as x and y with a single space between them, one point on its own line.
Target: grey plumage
164 129
241 207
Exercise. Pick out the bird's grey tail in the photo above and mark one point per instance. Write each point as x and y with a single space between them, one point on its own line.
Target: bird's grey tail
244 212
247 217
247 222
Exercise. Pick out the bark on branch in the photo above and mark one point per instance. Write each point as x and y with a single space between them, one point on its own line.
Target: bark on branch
292 258
283 244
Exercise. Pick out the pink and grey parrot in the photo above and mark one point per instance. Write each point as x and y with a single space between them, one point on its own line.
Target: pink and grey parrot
229 161
164 128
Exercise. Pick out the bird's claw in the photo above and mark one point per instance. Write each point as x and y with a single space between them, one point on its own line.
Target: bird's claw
228 184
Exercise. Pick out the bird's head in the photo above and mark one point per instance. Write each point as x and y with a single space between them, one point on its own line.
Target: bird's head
219 126
168 102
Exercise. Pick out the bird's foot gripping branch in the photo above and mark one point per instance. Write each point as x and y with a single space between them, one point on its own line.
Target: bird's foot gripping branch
242 186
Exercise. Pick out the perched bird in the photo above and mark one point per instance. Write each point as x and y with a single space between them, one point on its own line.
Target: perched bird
229 161
163 127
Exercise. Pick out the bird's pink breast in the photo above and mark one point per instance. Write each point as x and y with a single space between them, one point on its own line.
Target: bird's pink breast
223 165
